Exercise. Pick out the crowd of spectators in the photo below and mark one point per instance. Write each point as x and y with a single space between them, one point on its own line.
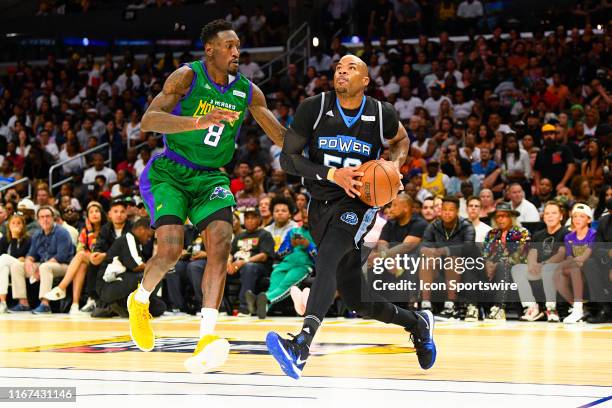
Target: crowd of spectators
516 122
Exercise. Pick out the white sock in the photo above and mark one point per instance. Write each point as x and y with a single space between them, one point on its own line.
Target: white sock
426 304
551 305
577 307
209 320
449 304
142 295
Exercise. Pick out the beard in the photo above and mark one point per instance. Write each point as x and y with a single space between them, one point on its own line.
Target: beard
341 89
549 143
232 70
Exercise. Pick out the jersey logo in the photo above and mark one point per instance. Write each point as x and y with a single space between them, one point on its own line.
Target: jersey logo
330 113
220 192
345 144
350 218
239 93
206 86
368 118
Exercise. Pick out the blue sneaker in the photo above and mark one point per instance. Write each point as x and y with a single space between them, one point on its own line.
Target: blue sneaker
42 309
19 308
290 354
422 338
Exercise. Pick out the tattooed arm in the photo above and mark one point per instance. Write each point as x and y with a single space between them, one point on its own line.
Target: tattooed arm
158 118
399 146
265 118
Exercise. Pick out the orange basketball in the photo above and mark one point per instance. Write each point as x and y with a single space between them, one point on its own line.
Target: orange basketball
380 182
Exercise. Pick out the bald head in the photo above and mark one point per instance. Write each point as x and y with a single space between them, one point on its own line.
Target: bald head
351 76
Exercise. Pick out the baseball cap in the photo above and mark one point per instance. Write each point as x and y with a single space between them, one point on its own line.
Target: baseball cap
118 201
578 107
584 209
460 124
548 128
251 210
494 96
26 204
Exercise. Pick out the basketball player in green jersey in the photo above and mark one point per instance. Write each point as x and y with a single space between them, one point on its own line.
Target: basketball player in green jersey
200 110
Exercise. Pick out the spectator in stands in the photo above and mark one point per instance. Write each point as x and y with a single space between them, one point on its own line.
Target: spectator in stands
99 169
251 255
14 246
116 226
28 209
554 162
432 104
545 254
297 254
282 223
249 68
444 238
578 248
434 181
123 269
48 257
504 246
257 24
145 156
77 268
582 191
592 168
545 194
381 19
240 171
528 211
481 229
265 212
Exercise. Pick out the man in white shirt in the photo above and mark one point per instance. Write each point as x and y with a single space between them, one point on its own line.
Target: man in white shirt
48 145
99 169
407 103
250 69
121 82
529 212
432 104
320 61
473 212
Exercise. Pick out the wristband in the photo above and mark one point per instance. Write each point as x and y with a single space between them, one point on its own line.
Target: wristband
197 123
330 174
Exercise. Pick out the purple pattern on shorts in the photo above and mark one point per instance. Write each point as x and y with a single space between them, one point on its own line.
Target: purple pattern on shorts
181 160
145 188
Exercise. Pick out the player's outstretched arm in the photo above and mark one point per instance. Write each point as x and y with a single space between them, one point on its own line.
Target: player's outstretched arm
265 118
158 118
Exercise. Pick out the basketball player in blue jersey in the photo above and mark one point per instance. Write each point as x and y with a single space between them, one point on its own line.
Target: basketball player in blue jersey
333 133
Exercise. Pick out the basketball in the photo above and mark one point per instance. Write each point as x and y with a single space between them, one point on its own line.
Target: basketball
380 182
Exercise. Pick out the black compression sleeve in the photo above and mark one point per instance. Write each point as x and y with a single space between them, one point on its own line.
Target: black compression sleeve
293 161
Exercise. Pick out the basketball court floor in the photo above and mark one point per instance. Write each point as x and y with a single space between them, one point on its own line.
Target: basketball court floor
355 363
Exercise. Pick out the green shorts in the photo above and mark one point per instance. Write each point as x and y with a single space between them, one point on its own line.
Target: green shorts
169 188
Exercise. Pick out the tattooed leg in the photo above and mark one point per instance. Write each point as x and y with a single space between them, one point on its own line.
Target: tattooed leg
217 237
169 249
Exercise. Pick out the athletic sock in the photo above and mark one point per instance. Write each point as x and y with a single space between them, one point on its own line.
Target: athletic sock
425 304
142 295
208 322
551 305
449 304
405 318
577 306
310 327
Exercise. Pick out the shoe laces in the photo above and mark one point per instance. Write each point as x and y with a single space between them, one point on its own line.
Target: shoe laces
145 316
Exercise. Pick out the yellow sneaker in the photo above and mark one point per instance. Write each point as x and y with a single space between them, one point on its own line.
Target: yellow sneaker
211 352
140 323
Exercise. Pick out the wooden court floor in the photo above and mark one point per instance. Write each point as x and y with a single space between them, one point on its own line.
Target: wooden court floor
512 352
